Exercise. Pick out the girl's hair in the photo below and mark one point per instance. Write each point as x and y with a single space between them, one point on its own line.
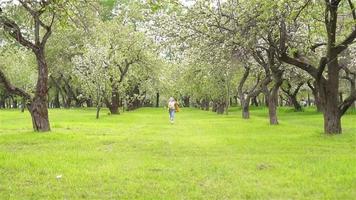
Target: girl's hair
171 99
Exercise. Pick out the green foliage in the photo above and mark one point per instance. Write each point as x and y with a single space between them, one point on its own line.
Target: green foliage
19 66
118 58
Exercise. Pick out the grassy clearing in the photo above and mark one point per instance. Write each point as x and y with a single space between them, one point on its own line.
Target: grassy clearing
139 155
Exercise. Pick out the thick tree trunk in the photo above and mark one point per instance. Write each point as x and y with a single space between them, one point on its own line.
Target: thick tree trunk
38 108
332 121
329 96
113 104
330 87
331 112
272 108
330 102
39 114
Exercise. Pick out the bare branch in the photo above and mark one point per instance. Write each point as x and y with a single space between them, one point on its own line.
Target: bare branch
11 88
347 103
15 32
48 31
301 10
315 46
350 38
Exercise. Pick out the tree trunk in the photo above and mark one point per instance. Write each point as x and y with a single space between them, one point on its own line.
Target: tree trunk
332 122
23 102
68 102
114 106
14 103
78 103
215 107
353 88
281 100
330 102
97 111
272 107
266 100
204 104
316 94
236 103
297 106
89 102
220 107
330 87
56 102
38 108
272 98
186 100
329 96
157 99
7 103
2 103
114 109
254 101
245 105
39 114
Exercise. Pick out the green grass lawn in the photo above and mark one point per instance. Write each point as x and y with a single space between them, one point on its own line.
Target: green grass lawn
140 155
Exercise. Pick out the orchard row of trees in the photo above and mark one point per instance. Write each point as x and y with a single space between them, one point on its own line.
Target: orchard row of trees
267 48
209 53
76 53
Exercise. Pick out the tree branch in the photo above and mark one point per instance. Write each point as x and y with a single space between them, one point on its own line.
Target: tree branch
300 64
349 39
48 30
243 80
15 32
11 88
347 103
